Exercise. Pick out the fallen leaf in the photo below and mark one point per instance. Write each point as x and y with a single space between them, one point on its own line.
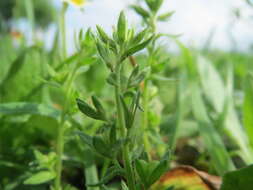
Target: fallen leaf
187 178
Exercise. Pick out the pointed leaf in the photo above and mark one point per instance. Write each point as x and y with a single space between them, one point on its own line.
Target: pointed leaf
139 10
113 134
85 138
122 27
139 37
88 110
142 170
39 178
128 114
166 16
158 172
105 38
101 147
154 5
99 107
112 79
105 54
137 80
110 174
133 75
136 48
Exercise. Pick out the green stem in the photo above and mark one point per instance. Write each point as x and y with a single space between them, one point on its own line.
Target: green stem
145 118
123 132
63 30
59 152
106 165
91 176
60 131
30 15
90 171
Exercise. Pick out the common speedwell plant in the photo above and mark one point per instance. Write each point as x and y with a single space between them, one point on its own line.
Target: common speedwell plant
120 141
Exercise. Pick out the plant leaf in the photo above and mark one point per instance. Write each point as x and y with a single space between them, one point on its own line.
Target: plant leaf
248 108
39 178
99 107
88 110
105 54
158 172
239 179
128 114
139 37
142 170
112 79
105 38
101 147
85 138
136 48
19 108
154 5
137 80
139 10
110 174
122 27
166 16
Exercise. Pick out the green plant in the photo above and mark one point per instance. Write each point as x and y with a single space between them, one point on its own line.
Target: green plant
239 179
136 111
157 61
120 138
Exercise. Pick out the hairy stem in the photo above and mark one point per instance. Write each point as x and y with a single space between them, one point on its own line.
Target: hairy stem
145 118
61 126
59 152
123 132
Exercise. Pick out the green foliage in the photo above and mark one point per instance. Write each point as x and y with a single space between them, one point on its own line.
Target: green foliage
91 112
144 101
110 174
11 10
247 108
122 28
44 11
39 178
154 5
123 44
21 108
46 163
142 12
239 179
165 16
150 172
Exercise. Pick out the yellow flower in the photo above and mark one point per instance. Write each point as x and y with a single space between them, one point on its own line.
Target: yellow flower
77 3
